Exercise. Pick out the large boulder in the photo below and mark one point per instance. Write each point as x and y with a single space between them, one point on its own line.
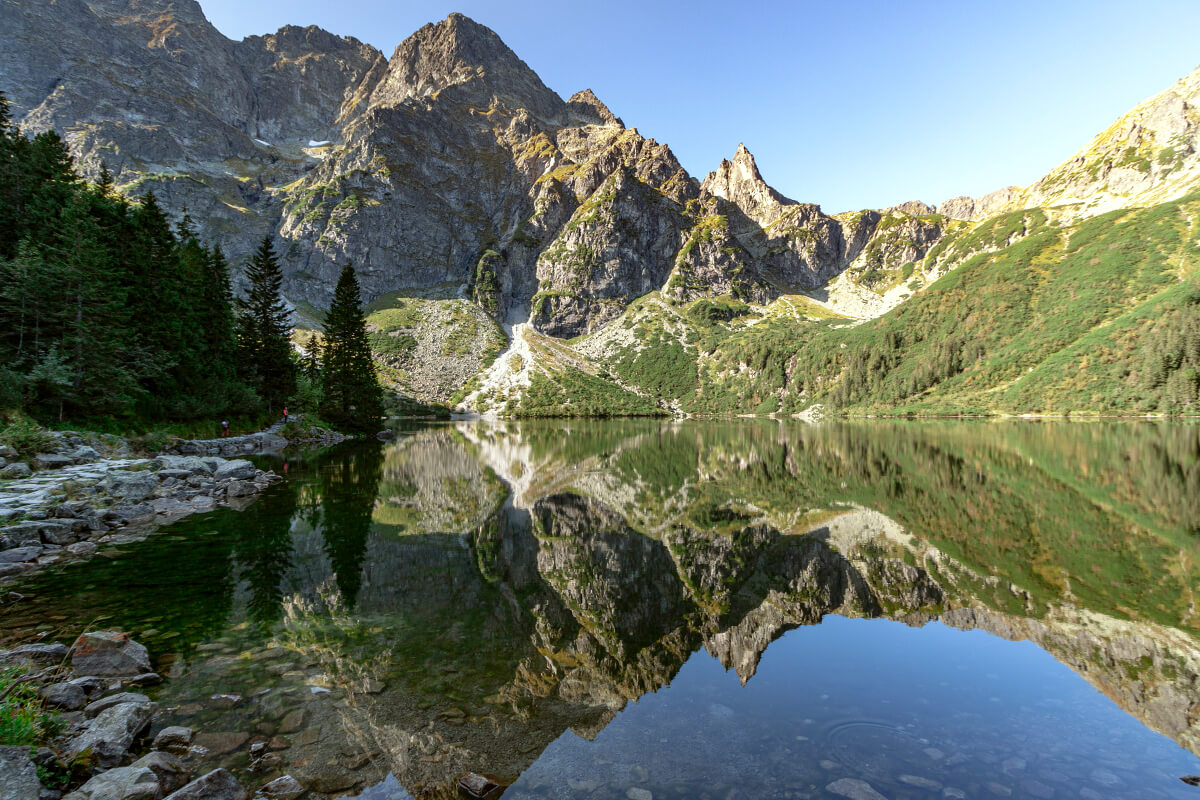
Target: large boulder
122 783
18 775
109 654
285 787
175 738
237 469
131 486
110 735
16 555
216 785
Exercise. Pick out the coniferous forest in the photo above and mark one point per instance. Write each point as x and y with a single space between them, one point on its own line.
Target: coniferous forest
111 316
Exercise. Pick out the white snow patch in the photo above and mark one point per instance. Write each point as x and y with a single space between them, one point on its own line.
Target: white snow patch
260 141
315 143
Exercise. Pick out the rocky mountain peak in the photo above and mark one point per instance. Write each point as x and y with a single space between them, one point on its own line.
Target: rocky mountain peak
912 208
740 182
589 108
459 52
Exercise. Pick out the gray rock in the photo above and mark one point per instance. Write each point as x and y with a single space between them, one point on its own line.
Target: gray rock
216 785
35 655
174 738
91 684
240 489
94 709
52 461
110 735
145 679
84 454
130 513
284 787
67 696
109 654
7 451
18 775
57 532
18 469
23 533
122 783
18 554
186 464
171 772
82 548
131 486
237 469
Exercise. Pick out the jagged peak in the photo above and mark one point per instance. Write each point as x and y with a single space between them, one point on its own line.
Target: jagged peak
911 208
740 182
587 104
458 51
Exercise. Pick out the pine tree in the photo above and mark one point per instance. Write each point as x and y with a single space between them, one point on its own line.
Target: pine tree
264 330
312 358
352 396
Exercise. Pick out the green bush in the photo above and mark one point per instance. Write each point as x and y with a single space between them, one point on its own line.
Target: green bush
23 720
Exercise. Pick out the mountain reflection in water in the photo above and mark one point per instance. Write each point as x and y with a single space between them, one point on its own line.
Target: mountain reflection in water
474 591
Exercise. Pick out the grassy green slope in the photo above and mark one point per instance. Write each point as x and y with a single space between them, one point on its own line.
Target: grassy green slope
1103 316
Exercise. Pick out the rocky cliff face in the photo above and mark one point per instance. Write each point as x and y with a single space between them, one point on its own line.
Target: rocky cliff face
450 167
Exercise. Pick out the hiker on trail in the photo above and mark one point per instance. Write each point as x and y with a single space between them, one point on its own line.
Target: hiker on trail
285 414
225 428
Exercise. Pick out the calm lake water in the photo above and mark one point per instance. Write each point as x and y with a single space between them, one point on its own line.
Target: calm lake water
651 609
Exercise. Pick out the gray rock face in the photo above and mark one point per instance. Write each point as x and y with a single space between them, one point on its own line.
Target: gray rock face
109 654
18 775
450 164
122 783
110 735
216 785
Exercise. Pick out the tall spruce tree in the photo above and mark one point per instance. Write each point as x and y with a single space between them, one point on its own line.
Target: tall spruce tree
264 330
353 399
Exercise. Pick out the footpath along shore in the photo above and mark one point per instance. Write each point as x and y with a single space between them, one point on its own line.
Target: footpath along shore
88 491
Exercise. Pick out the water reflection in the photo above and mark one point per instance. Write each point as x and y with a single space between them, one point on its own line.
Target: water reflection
465 597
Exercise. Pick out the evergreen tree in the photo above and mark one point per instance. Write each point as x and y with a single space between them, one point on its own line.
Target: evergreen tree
264 330
312 358
352 397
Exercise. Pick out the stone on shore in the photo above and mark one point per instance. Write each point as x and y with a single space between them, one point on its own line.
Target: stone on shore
110 735
109 654
52 461
65 696
122 783
35 655
854 789
237 469
18 469
18 775
133 486
216 785
93 710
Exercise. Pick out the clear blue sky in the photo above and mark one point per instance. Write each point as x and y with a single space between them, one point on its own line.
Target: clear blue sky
846 104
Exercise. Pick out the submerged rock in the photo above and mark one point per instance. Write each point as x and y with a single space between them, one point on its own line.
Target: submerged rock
216 785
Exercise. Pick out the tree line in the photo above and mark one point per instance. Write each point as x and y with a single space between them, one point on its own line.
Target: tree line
108 312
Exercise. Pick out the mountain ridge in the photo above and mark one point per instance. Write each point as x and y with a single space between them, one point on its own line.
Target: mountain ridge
451 171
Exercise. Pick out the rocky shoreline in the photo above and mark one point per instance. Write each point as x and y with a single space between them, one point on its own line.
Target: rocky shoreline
106 751
92 491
